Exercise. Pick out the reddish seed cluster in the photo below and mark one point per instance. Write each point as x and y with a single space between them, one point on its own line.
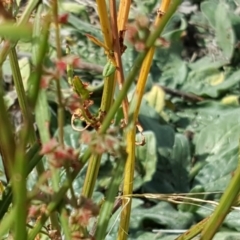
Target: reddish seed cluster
36 211
102 143
59 69
138 32
81 216
63 18
59 156
73 103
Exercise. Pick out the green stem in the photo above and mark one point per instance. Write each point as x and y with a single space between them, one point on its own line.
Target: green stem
137 64
18 181
91 176
17 78
52 206
106 209
7 141
95 160
65 224
23 20
39 54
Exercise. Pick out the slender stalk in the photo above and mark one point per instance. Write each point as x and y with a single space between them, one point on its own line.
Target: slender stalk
227 200
52 206
24 18
7 141
65 224
105 24
33 159
137 64
39 54
128 185
59 55
123 13
117 53
91 176
18 181
25 109
131 131
106 209
106 102
193 231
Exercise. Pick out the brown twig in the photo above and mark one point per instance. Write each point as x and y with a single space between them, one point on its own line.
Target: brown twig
117 54
177 93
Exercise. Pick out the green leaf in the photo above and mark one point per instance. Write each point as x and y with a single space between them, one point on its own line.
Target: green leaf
224 30
71 137
164 214
208 9
210 82
84 27
146 159
72 7
217 144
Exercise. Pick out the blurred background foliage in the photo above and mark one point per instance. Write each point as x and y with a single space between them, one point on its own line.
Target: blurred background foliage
190 112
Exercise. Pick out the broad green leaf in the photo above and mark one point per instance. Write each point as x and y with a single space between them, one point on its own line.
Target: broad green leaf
163 214
208 8
71 137
206 63
224 30
190 206
200 82
175 34
180 163
146 159
174 74
84 27
232 220
217 144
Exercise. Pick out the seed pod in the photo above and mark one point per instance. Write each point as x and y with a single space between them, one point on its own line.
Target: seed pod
109 68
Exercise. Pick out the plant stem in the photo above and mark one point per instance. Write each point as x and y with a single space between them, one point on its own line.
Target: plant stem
137 64
131 131
23 20
106 102
18 181
127 185
106 209
59 55
105 24
193 231
123 13
7 141
91 176
117 54
25 109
